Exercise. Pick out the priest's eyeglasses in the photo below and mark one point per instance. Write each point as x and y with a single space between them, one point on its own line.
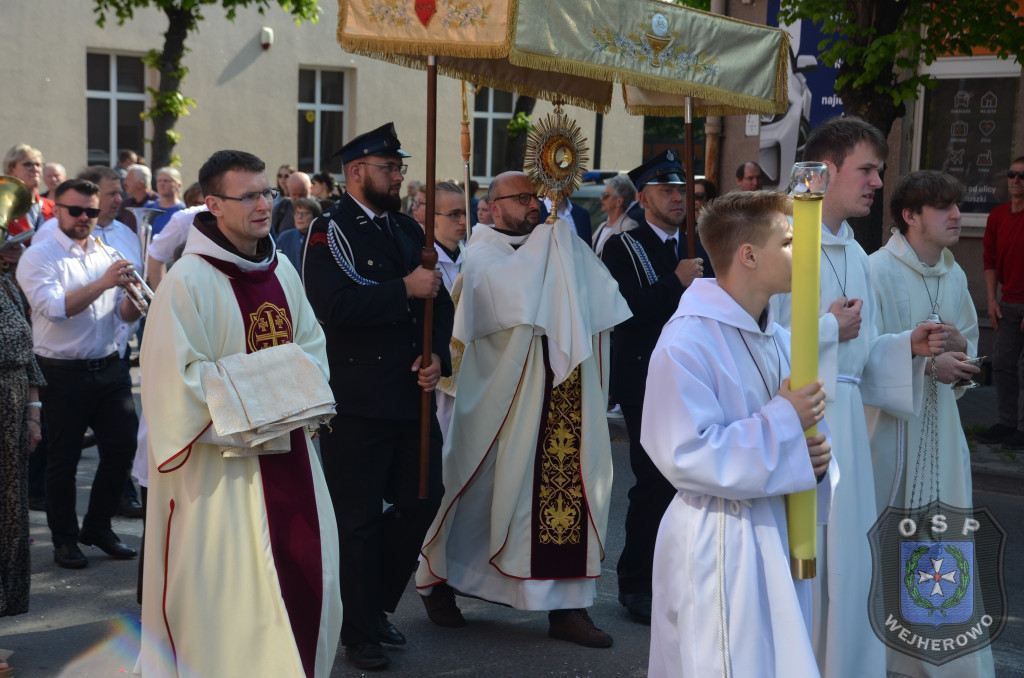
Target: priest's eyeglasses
249 199
522 198
390 167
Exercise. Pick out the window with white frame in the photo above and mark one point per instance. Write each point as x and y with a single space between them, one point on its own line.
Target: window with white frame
322 108
491 115
115 99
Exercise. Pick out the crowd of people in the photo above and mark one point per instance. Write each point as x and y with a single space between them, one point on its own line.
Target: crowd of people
274 296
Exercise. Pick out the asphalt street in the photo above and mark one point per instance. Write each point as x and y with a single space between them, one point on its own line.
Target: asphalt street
85 623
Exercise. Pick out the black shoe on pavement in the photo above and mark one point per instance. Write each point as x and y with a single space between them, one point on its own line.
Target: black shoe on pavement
442 608
388 633
88 440
367 656
576 626
36 503
995 434
107 542
69 556
1015 441
638 605
130 508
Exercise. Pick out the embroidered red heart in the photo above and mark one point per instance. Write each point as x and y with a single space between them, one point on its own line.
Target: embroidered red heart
425 10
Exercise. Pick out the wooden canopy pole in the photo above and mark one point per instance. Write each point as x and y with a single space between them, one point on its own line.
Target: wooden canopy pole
428 259
691 218
466 150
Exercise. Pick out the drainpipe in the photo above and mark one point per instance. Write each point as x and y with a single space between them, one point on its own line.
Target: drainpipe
713 127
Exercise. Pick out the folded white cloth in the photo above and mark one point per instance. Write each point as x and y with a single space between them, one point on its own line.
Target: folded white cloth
257 399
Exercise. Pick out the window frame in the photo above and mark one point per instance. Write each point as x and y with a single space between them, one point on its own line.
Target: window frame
113 97
490 115
318 108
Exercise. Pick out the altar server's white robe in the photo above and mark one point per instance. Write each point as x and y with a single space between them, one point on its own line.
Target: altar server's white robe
213 602
444 395
723 590
899 280
845 644
552 286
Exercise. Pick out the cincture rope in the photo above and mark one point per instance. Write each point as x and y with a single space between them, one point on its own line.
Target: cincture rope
723 620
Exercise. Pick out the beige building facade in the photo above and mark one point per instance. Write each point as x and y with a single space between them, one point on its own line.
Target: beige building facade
74 90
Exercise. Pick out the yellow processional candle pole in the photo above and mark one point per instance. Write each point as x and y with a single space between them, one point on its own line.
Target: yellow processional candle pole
809 181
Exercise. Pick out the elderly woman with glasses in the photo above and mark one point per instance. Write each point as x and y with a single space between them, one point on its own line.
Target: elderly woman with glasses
293 241
168 187
25 163
619 193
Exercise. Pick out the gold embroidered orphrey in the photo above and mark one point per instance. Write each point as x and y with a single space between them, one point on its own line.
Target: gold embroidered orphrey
560 494
268 326
457 348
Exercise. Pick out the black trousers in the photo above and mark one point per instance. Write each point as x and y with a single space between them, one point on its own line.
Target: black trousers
76 399
648 499
368 462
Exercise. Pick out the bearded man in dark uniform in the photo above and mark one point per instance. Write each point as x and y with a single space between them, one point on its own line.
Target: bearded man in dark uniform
366 286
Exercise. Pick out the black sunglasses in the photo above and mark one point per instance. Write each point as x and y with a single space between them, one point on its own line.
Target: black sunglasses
76 211
1010 174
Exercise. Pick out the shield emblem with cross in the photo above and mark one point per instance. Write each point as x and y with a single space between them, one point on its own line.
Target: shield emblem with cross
937 590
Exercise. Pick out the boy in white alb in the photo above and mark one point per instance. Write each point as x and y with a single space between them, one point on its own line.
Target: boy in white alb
722 425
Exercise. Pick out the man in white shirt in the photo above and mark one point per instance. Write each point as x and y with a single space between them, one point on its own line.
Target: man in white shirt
73 287
116 236
166 242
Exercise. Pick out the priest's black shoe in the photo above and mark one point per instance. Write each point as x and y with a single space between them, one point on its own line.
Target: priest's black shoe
130 508
69 556
367 656
638 605
108 542
576 626
442 608
388 633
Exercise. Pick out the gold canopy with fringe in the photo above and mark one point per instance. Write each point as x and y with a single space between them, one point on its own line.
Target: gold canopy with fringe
660 52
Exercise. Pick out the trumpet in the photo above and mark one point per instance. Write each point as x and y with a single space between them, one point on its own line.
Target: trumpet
140 296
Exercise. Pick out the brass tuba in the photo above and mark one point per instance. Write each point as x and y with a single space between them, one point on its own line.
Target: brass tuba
144 217
15 201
